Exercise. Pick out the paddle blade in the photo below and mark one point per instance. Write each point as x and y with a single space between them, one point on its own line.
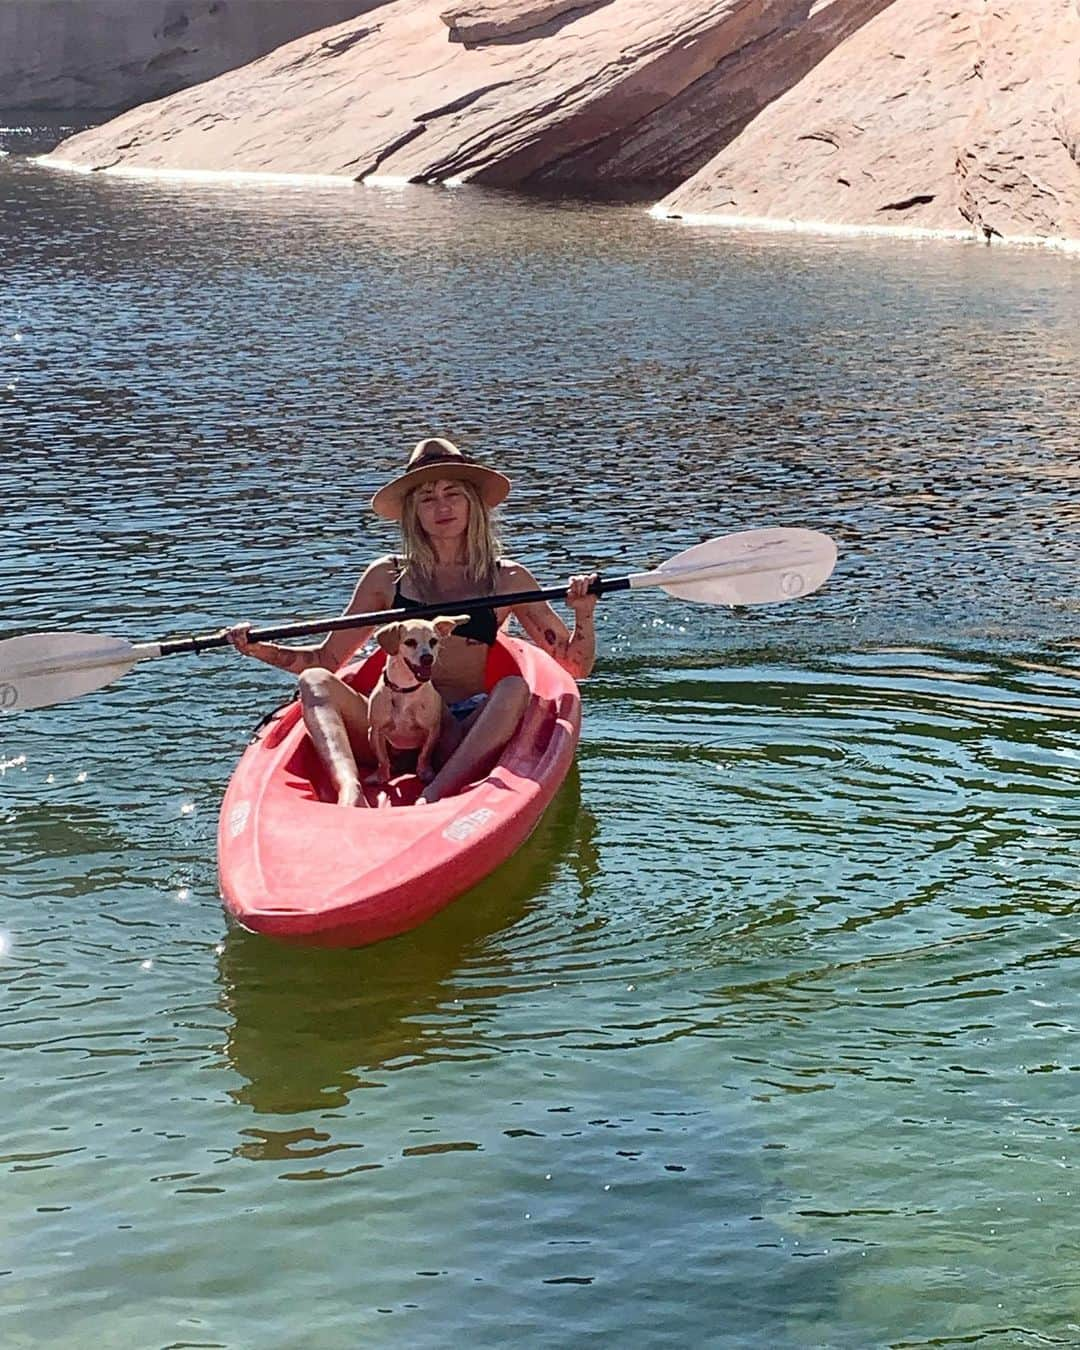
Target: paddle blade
41 669
754 567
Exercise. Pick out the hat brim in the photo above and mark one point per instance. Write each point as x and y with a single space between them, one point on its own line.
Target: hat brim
493 487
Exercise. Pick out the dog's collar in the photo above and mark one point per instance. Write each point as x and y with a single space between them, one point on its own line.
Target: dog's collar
397 688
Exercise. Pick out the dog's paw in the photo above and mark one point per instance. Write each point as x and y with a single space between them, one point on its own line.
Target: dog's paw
425 773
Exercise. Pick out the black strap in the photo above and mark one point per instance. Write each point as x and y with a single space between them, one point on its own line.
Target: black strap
398 689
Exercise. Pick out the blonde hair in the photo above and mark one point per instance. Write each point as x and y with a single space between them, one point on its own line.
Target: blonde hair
482 548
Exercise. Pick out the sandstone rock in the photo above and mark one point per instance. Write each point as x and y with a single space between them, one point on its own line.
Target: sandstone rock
957 118
391 95
780 45
848 112
489 20
117 53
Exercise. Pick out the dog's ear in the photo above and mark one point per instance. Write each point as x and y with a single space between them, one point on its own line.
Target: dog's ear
445 624
389 638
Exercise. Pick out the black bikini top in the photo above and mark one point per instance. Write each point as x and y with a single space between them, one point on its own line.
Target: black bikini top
483 626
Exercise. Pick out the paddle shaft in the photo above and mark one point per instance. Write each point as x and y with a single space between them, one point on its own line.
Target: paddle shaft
751 567
309 627
306 628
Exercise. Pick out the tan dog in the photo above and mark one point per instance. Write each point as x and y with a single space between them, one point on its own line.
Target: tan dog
404 709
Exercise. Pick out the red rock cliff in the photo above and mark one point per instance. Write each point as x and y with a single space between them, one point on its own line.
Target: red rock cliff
850 112
959 117
620 91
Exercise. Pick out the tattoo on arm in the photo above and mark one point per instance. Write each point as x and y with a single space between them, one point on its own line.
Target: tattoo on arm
556 645
543 629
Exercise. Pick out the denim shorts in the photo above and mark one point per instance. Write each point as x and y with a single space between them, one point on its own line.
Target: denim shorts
465 706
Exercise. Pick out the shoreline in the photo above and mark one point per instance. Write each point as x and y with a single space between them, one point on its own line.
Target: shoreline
237 176
744 224
780 225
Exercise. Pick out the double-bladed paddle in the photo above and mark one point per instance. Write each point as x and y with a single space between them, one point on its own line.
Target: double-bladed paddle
753 567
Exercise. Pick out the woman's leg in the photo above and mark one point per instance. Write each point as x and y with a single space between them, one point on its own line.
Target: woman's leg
336 719
484 738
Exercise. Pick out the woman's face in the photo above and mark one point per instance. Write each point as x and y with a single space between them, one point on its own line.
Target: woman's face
442 509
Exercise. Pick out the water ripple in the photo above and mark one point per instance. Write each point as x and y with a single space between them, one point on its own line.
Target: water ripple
772 1020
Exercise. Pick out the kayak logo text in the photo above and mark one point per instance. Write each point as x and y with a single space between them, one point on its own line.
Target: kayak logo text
459 830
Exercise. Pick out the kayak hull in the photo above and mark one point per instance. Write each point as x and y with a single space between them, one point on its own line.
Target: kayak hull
295 866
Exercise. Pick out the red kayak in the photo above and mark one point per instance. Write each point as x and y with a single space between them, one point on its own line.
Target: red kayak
296 866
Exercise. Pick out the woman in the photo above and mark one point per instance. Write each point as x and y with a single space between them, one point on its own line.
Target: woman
443 503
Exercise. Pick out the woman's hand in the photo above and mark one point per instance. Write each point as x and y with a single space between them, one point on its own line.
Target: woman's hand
579 598
238 637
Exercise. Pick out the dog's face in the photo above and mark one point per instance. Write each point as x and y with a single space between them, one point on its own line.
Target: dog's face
416 641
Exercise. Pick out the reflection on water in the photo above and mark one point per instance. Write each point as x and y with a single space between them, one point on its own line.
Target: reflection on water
767 1038
310 1026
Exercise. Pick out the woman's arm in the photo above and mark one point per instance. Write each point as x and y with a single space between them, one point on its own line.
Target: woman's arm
374 591
575 651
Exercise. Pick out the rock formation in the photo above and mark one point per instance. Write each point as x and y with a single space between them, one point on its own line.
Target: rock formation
61 54
958 118
857 112
489 20
777 48
414 90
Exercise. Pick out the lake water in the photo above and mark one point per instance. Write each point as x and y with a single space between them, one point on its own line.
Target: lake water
768 1036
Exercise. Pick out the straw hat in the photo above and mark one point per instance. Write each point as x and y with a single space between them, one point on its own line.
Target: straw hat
434 458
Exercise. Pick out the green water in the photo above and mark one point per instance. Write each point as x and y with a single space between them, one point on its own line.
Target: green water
767 1037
